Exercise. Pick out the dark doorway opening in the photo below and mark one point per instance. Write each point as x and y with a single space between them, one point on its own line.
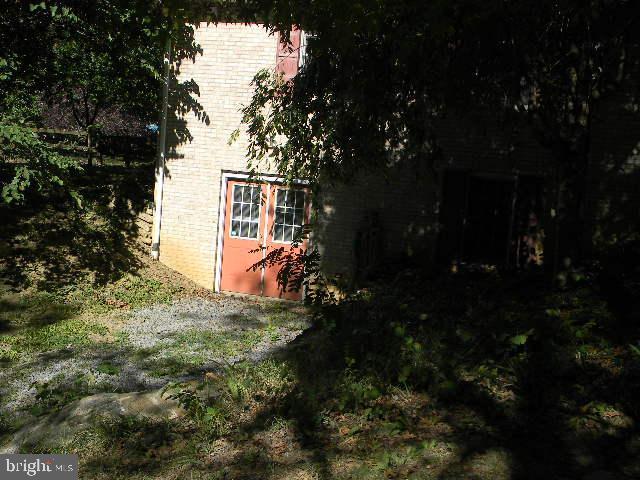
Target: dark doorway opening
491 219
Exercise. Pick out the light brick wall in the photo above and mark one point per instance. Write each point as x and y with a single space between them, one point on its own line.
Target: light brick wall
232 55
406 202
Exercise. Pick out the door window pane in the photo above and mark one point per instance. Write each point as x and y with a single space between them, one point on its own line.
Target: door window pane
289 215
255 195
244 229
288 233
245 212
235 228
253 230
278 232
237 210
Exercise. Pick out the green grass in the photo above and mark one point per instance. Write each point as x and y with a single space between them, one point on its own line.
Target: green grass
40 322
34 309
85 319
425 387
285 315
187 351
453 381
129 292
249 404
108 368
73 332
227 344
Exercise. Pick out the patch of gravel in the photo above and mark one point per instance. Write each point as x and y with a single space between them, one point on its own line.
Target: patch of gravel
149 326
147 331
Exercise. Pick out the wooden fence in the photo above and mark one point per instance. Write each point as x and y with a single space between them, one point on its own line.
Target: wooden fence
75 143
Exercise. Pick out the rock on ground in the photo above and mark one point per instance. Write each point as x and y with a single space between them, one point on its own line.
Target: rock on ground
53 430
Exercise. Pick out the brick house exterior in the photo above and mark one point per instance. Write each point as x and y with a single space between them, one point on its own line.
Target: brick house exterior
232 54
399 217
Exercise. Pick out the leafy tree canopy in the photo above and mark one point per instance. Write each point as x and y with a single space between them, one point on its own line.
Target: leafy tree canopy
381 73
88 55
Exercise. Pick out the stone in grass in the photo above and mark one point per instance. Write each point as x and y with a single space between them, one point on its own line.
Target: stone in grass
60 427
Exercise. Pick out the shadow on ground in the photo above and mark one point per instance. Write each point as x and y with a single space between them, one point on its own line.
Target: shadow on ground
511 380
50 242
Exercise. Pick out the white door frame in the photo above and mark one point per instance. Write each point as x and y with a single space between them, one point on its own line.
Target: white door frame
224 185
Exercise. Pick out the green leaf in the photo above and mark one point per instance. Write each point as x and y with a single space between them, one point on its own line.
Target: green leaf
519 339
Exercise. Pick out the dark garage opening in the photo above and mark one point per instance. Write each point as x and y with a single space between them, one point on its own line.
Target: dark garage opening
491 219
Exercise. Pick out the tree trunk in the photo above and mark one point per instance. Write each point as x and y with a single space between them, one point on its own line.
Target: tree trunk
89 148
566 223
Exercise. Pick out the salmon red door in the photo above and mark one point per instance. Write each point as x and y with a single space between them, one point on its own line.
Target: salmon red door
288 212
243 237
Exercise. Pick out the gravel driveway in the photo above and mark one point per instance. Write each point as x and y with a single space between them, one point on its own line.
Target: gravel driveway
155 346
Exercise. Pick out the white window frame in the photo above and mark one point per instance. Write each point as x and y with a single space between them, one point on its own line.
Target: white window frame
231 220
302 55
275 205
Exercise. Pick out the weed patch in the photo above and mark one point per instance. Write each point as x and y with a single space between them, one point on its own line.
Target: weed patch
131 291
224 401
